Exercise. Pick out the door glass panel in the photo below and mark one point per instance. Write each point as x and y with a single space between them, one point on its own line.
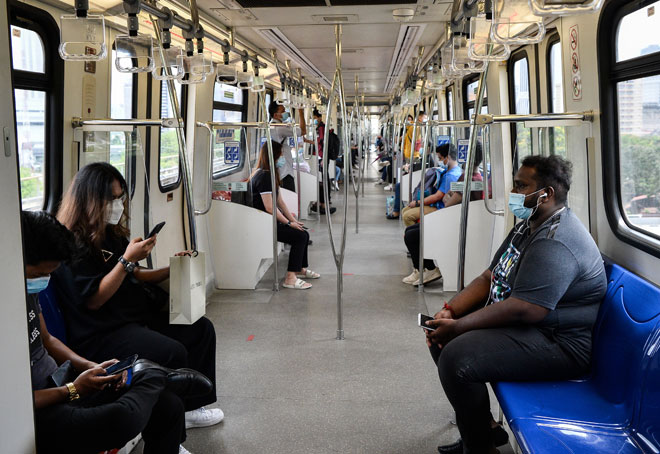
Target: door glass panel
639 33
219 146
27 50
31 141
557 134
121 107
521 98
169 169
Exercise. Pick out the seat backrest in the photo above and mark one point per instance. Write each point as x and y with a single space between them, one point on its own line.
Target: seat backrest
647 421
626 320
50 309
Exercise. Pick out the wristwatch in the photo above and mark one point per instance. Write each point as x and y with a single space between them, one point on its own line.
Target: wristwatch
129 267
73 392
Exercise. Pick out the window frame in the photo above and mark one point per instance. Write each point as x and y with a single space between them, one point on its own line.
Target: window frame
611 73
243 108
520 54
184 98
467 105
51 81
134 114
449 100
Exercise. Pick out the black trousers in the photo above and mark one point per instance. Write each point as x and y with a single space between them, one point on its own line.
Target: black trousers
321 194
411 238
298 239
108 420
288 182
173 346
472 359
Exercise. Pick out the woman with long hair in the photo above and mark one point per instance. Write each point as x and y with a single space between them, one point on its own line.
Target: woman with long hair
289 229
115 309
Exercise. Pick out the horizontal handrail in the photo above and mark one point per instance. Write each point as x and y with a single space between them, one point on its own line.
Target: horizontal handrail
244 124
78 122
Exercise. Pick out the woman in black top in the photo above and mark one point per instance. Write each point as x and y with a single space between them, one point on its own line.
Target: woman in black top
114 309
289 230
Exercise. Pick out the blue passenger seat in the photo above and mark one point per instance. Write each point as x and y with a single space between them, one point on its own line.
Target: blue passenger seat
616 409
50 309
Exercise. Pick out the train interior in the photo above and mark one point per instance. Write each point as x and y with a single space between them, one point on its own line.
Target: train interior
343 366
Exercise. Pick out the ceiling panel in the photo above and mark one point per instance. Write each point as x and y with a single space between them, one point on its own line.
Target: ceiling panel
381 35
369 59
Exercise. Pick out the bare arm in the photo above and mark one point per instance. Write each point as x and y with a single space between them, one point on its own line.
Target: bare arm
284 209
152 276
452 198
61 352
475 294
267 198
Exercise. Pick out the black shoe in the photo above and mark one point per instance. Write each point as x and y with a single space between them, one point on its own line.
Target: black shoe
499 435
391 216
453 448
309 243
332 210
313 208
182 382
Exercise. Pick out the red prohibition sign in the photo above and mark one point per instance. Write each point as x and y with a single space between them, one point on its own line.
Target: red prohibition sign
574 39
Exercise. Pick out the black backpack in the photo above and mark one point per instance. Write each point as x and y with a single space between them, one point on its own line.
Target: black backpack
333 145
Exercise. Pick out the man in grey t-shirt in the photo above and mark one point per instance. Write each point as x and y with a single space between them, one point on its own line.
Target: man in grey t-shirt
529 316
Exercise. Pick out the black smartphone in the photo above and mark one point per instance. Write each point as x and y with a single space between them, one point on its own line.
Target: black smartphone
306 228
422 319
156 229
121 366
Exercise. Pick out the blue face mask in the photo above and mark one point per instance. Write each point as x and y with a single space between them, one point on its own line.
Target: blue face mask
285 117
517 205
316 122
37 284
280 162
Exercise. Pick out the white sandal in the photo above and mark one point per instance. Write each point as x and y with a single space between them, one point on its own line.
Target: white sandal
299 285
309 274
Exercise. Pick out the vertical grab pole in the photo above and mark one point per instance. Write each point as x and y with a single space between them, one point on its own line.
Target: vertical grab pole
271 164
358 135
244 133
295 141
420 288
469 167
413 142
186 175
363 160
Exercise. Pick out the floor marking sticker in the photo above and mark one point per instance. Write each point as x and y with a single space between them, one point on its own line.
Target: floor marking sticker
250 337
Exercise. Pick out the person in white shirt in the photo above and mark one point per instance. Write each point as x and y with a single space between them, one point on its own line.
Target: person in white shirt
282 135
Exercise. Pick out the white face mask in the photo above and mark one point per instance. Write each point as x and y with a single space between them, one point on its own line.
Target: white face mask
114 211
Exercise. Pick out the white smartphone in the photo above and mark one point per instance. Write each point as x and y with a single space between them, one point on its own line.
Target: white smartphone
422 319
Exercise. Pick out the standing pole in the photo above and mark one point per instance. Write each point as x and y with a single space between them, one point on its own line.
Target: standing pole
420 288
465 206
271 164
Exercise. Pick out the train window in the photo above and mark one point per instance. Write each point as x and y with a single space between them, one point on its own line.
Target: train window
637 34
121 107
228 105
556 95
450 104
37 77
519 85
470 89
630 98
27 50
169 166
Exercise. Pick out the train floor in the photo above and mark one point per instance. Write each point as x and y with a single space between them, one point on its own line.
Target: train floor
287 385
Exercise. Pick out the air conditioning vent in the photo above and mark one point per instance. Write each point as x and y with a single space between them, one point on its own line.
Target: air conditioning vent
274 36
335 18
406 43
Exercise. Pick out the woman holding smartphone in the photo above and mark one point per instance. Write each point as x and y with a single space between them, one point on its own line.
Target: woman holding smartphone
289 229
113 307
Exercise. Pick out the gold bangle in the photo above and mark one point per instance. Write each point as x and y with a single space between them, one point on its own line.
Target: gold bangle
73 392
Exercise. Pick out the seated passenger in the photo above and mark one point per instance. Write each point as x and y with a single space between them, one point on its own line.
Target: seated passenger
529 316
93 412
289 230
115 309
412 233
282 135
433 201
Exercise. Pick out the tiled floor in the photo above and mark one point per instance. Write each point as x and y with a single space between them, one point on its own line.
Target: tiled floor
287 386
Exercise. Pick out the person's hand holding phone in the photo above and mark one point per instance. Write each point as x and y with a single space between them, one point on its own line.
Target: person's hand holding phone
297 225
94 379
138 249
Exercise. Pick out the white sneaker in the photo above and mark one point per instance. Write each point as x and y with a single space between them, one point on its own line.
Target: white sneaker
429 276
388 187
183 450
380 182
413 277
203 417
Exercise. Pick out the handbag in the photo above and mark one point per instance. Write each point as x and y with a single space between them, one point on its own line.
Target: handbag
187 288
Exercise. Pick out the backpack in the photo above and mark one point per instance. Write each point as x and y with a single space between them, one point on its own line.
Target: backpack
431 182
333 145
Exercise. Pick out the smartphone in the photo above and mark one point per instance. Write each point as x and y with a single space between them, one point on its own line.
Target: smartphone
422 319
121 366
156 229
306 228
